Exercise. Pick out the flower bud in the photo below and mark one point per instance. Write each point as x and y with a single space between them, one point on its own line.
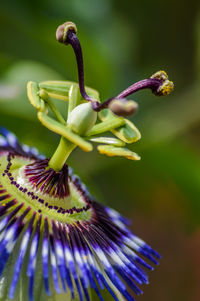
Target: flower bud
62 31
82 118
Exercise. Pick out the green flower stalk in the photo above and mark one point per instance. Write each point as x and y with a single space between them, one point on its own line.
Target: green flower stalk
56 241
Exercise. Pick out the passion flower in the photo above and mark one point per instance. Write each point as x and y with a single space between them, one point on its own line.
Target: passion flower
54 237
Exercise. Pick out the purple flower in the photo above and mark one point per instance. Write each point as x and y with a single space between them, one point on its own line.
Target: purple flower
55 239
51 227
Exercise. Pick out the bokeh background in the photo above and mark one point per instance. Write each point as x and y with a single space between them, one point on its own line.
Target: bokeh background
122 41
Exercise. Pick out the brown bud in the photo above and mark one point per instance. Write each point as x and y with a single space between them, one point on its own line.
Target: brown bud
123 107
62 31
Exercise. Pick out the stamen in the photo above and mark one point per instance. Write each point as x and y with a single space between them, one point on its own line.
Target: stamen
158 83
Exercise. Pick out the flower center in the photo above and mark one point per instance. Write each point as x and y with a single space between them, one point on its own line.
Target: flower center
55 194
47 180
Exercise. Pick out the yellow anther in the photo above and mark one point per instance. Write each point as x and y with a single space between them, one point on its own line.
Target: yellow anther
161 75
166 88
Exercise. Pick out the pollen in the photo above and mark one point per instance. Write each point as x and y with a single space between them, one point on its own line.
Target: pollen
166 88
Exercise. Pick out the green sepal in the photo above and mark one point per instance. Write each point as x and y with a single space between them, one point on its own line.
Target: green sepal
60 89
107 140
111 151
127 133
34 98
107 125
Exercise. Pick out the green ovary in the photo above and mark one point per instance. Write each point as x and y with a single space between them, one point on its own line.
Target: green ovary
14 179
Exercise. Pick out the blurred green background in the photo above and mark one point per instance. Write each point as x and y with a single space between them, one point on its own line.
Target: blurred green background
122 41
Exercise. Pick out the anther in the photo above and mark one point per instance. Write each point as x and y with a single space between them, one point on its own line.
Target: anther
158 83
166 86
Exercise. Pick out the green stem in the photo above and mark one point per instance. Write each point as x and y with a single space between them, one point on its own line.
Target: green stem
65 147
61 154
